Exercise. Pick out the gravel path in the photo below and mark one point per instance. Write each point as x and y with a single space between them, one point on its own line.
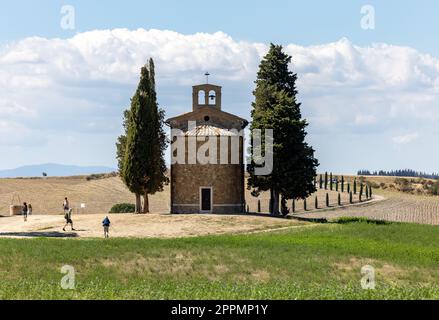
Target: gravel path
140 226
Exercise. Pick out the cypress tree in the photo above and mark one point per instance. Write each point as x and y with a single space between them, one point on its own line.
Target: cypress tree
336 184
350 198
122 142
349 187
355 186
294 206
316 204
321 181
367 192
330 181
144 167
276 107
342 184
304 205
339 199
326 180
370 192
327 199
259 206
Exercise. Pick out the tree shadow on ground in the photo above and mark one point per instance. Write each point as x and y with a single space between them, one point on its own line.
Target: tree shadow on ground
253 214
36 234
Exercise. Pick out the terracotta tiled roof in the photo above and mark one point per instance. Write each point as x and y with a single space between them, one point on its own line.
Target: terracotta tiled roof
205 130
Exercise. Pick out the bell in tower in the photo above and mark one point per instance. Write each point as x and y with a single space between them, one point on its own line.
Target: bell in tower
206 95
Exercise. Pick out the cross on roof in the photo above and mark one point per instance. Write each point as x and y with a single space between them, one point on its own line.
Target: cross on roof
207 74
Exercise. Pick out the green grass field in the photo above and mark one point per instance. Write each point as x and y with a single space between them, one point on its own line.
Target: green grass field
314 262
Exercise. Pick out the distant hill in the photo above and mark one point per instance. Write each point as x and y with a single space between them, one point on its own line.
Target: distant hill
52 170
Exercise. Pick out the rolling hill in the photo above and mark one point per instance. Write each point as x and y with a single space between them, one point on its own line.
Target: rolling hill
53 170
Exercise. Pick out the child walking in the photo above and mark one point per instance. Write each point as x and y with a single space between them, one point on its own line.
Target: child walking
106 224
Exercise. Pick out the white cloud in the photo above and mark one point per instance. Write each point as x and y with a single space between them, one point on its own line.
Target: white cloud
406 138
79 86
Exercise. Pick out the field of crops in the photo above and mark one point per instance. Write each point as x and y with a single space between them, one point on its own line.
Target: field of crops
397 207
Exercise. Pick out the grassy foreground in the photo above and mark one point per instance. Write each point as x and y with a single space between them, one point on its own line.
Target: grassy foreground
314 262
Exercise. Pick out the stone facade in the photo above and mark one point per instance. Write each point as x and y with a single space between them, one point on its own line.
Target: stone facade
218 185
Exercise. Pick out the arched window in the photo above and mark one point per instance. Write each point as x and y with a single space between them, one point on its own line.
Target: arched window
212 98
201 97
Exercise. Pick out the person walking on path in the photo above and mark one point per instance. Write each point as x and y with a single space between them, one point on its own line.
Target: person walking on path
66 205
24 211
106 224
68 217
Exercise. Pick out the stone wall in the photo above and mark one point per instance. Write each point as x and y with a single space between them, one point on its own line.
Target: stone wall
226 180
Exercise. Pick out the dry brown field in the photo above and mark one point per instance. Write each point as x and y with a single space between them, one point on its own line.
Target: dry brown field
46 196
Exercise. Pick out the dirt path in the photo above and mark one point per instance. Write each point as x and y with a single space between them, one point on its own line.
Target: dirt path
140 226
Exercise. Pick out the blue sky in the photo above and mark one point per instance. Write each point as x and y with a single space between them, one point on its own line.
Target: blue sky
371 92
411 23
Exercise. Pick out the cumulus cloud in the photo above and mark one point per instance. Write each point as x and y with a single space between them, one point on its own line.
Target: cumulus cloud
80 85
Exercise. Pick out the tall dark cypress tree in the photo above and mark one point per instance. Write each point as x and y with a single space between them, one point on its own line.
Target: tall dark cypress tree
326 180
330 181
144 167
276 107
121 142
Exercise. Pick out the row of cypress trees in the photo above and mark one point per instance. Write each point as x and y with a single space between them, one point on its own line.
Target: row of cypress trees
364 190
327 182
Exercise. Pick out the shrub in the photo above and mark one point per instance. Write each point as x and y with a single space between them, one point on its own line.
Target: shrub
406 189
435 188
402 182
123 208
98 176
347 220
374 185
